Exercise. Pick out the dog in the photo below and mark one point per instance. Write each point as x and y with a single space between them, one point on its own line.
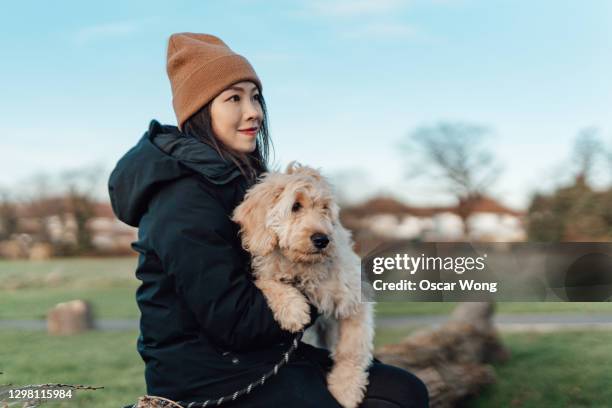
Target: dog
301 254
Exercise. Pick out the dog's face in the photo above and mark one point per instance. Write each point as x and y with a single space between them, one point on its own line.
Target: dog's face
293 212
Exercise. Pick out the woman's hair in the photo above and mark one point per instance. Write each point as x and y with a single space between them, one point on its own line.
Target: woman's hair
251 165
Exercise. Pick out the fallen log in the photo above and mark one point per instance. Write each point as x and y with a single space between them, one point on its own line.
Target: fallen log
454 359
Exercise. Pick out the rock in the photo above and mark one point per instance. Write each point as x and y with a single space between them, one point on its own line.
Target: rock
70 318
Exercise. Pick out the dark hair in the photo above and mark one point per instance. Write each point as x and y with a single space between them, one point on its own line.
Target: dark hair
251 165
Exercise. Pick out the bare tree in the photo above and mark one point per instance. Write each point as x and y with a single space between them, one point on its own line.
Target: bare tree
588 149
41 204
454 154
8 216
81 186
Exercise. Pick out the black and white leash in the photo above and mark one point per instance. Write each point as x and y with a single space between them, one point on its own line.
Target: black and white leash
243 391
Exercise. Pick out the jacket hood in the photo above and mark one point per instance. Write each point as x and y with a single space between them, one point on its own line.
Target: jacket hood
162 154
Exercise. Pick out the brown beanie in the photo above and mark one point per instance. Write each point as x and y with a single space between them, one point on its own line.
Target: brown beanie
200 67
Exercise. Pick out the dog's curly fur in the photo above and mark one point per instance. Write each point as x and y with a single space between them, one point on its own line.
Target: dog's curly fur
278 218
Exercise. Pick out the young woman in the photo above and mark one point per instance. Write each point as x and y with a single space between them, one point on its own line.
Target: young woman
205 329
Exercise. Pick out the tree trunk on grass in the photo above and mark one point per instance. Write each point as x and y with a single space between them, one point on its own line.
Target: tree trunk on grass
454 359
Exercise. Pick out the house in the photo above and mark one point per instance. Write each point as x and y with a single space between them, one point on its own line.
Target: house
389 218
50 222
108 233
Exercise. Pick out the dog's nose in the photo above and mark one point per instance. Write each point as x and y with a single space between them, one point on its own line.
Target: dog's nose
319 240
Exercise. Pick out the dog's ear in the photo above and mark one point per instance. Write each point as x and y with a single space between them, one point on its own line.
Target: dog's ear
292 167
252 216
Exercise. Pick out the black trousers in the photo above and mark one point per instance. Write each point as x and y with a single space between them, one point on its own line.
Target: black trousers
302 384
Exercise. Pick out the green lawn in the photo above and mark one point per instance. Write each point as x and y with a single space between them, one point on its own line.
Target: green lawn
29 289
569 369
118 303
67 273
566 369
107 359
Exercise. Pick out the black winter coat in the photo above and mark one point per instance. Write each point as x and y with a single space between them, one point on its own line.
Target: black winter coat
205 328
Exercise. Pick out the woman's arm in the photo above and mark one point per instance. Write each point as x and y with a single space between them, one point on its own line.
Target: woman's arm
190 232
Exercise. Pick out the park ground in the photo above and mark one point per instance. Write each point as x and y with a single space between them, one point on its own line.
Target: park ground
547 369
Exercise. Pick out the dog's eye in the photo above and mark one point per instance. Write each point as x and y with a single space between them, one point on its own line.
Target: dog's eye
296 206
325 207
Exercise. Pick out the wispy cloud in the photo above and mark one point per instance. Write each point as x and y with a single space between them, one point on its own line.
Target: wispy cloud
348 8
371 19
384 30
366 8
109 30
275 56
447 2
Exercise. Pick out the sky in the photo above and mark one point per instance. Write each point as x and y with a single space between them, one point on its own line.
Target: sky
345 82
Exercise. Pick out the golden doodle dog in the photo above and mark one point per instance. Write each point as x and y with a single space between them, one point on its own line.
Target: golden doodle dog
301 253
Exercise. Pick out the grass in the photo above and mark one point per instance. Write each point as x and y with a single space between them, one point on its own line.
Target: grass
30 288
546 369
568 369
95 358
67 273
564 369
117 303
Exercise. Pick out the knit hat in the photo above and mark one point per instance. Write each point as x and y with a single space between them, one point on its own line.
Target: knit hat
200 67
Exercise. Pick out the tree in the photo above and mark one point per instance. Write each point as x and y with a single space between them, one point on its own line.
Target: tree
8 217
41 204
81 184
571 213
588 150
454 154
574 212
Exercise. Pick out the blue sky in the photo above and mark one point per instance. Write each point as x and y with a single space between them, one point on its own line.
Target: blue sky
345 81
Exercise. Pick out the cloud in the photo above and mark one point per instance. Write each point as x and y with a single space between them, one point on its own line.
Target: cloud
106 30
384 30
367 8
348 8
275 57
446 2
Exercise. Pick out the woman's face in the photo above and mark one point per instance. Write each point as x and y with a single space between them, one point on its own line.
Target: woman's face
236 115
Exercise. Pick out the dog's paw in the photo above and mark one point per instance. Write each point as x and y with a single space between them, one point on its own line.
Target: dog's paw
295 315
347 386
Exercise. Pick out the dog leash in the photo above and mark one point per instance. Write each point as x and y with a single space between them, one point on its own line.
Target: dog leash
162 402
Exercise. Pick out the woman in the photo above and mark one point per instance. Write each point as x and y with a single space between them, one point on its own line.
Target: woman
206 329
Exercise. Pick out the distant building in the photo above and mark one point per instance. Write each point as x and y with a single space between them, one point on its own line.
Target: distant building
392 219
47 221
110 234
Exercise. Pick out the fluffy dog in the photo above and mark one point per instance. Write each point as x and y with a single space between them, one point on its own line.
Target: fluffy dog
301 253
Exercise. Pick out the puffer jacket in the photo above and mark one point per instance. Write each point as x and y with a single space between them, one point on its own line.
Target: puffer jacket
205 328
